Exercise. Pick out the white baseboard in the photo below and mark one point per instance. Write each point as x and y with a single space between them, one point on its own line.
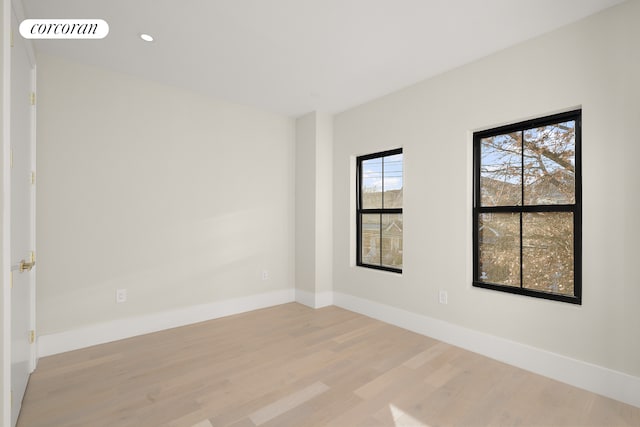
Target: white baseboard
314 300
306 298
130 327
324 299
594 378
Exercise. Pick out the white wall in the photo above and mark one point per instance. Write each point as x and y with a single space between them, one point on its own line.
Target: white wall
324 203
5 264
305 203
595 64
314 209
180 199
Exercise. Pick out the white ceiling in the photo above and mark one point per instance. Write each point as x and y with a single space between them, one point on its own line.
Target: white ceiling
296 56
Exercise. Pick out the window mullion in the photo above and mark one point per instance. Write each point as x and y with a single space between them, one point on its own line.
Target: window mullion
522 204
382 177
381 201
359 185
521 254
380 248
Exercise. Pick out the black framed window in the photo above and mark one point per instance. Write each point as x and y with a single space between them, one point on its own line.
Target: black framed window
379 210
527 208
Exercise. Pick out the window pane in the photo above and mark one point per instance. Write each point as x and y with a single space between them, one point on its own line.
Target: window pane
372 183
370 239
499 248
547 252
501 170
549 164
393 181
392 240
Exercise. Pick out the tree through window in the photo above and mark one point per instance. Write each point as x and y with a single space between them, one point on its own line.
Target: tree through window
527 209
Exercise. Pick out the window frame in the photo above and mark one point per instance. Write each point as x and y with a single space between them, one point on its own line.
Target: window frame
575 208
361 211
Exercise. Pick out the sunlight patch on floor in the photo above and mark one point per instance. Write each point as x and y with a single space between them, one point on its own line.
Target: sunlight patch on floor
402 419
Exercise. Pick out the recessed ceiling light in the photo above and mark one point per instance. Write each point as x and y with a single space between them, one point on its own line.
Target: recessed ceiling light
146 37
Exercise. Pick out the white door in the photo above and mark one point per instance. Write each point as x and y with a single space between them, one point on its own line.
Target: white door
22 220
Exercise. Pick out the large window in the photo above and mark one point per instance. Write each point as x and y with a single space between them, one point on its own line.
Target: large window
527 208
379 210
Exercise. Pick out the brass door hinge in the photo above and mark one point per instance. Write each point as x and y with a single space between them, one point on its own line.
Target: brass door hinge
32 336
32 97
33 178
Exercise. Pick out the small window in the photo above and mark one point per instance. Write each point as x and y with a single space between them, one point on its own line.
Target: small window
379 210
527 208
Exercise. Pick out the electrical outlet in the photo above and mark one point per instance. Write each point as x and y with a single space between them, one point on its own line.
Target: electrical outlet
443 297
265 274
121 295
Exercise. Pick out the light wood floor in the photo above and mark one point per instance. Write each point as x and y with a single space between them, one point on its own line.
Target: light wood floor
294 366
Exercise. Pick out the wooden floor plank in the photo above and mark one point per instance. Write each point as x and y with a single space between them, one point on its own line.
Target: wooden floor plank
294 366
287 403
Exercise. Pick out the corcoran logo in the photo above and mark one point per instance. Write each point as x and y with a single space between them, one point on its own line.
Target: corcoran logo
64 28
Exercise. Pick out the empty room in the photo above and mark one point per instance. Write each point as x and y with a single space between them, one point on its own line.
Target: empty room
203 209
